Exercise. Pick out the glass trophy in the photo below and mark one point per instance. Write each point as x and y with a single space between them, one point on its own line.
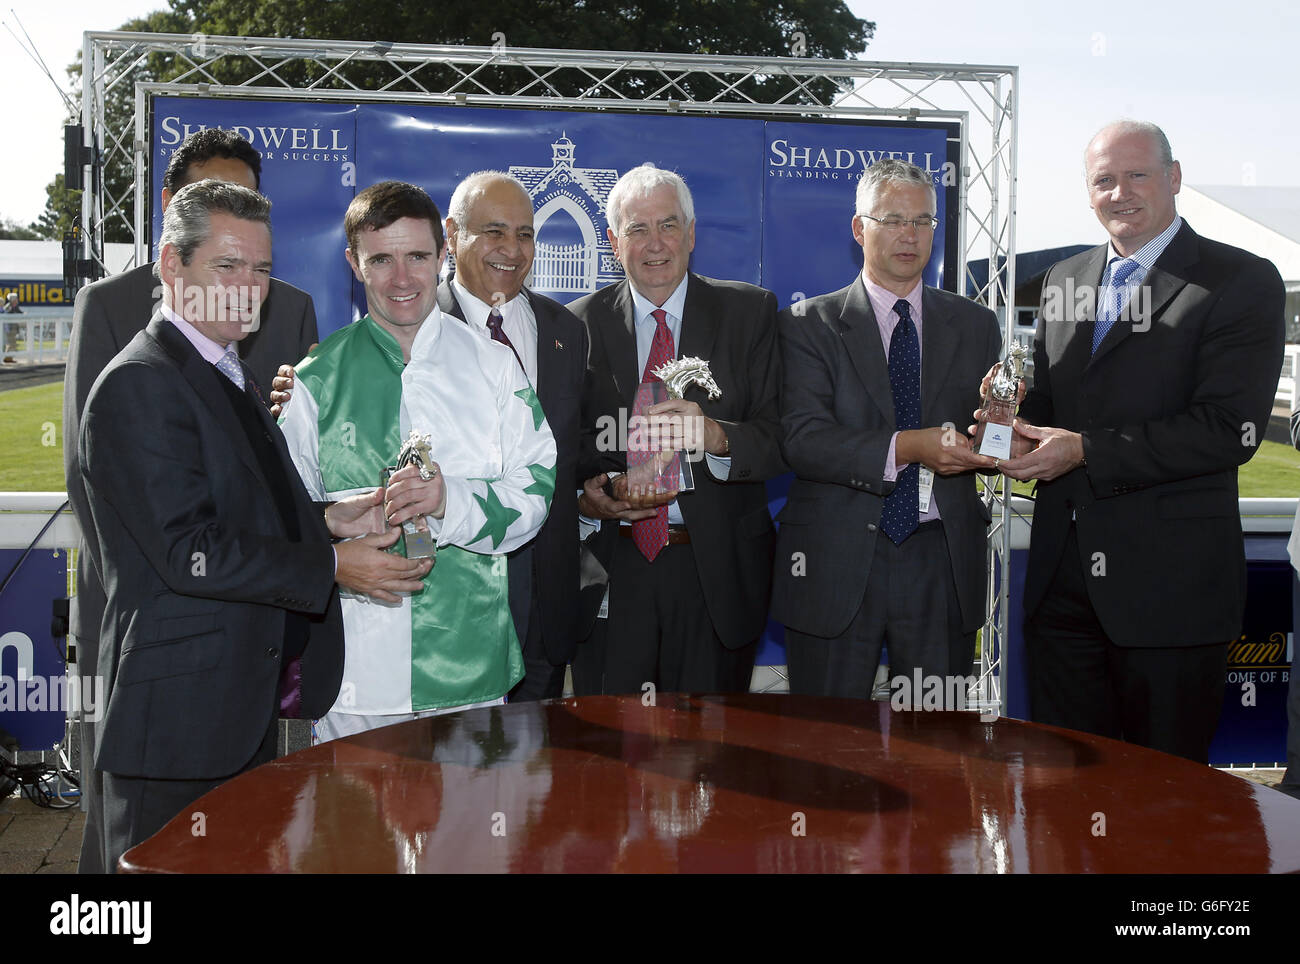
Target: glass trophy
652 469
416 541
993 437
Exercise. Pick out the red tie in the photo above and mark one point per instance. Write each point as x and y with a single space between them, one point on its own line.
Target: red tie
651 535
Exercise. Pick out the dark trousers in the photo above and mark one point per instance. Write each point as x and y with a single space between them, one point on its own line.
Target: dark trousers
1164 697
92 780
910 605
542 679
1291 779
658 631
135 808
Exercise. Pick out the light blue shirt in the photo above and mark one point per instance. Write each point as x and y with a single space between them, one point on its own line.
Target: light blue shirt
1145 257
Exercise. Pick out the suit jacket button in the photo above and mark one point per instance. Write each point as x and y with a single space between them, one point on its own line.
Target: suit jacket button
871 527
272 652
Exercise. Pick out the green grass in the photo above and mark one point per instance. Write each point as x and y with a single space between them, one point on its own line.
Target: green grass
31 439
28 464
1274 472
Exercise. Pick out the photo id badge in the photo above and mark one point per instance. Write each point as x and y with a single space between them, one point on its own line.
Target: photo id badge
924 487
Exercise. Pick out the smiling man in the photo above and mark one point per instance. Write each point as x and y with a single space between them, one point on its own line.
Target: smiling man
1145 401
882 536
220 612
403 368
689 576
490 234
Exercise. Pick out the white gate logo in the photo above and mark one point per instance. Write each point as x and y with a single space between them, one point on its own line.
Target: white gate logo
573 253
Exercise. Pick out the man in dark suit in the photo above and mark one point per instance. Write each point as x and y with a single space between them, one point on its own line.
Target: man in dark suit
107 315
221 613
1155 365
882 538
690 576
490 234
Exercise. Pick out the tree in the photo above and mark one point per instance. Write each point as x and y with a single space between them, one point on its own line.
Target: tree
824 29
62 209
11 230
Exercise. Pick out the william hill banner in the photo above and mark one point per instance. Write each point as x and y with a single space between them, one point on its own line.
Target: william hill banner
773 199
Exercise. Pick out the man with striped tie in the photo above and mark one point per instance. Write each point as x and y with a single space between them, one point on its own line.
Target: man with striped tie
1155 364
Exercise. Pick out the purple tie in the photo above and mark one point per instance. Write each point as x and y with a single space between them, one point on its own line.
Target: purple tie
498 334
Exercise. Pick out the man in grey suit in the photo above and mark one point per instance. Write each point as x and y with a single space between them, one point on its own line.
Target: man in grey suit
221 613
1155 365
882 538
107 315
490 233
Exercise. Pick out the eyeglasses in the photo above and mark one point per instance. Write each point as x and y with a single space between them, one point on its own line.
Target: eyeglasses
896 224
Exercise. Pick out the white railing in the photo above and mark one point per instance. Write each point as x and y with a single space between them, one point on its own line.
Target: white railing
564 267
1286 383
35 339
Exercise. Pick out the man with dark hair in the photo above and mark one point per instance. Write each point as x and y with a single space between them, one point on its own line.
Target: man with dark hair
105 317
490 233
221 613
882 538
212 152
1155 364
402 371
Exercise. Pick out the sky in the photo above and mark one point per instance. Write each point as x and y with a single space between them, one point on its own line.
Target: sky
1225 96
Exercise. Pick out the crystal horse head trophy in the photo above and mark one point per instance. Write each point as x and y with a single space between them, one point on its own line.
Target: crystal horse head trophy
999 412
415 542
650 468
681 373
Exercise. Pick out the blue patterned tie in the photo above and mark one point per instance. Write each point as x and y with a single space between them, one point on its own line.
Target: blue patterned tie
229 366
898 517
1120 269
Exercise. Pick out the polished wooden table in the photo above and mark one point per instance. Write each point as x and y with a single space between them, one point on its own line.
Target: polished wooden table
731 784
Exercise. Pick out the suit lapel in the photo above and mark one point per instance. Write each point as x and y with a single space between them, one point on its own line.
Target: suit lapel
699 321
447 302
202 376
861 336
620 344
548 344
940 341
1165 279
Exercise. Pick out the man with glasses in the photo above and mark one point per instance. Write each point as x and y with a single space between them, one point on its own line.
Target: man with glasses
881 541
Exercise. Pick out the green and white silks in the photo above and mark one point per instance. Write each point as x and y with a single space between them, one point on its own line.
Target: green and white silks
353 405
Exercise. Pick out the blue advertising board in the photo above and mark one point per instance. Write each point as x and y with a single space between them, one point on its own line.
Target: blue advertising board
773 198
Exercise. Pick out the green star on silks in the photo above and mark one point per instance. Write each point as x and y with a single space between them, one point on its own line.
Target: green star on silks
530 399
496 517
543 480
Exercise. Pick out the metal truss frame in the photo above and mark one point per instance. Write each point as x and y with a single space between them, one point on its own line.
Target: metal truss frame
983 99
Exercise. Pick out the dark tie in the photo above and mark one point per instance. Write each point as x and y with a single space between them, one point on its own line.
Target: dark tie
651 535
1120 270
898 517
498 334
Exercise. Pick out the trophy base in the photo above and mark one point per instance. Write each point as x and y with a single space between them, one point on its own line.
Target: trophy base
993 437
996 441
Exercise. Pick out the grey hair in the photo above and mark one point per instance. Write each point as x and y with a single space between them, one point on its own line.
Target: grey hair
471 187
1127 126
892 171
187 222
640 182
